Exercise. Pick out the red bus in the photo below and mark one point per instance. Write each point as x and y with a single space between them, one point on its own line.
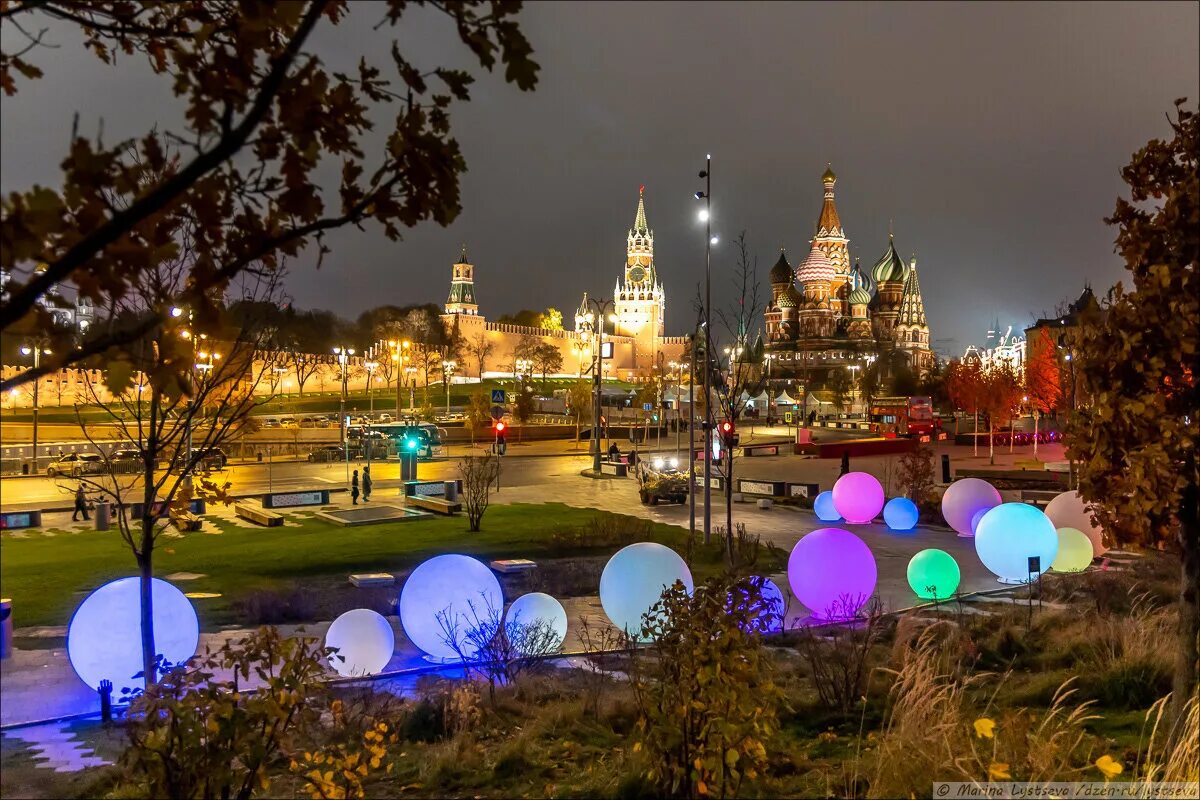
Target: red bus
904 416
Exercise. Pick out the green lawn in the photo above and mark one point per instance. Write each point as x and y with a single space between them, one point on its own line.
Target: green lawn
47 574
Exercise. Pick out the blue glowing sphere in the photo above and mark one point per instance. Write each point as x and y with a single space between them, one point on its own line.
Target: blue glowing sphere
536 621
444 600
978 515
901 514
775 606
634 579
1009 535
364 641
825 509
104 639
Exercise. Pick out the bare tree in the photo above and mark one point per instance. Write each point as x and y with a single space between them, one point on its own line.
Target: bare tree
174 424
478 474
480 348
743 377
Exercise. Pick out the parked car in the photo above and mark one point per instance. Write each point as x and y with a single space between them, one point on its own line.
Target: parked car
308 422
210 457
329 452
323 422
75 464
287 422
385 417
125 460
271 423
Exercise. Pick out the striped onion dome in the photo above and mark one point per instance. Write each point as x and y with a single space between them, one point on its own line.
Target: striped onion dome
817 268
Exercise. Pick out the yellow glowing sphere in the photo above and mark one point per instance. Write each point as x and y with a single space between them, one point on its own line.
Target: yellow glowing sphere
1074 551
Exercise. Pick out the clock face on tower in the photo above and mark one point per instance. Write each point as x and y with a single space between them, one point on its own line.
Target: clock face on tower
637 274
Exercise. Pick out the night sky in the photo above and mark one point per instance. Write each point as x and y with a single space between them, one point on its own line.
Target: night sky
989 135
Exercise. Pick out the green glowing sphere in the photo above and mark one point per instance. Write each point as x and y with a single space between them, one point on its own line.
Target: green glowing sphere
933 574
1074 551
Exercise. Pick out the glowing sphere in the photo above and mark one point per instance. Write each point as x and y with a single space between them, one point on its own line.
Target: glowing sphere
858 497
104 639
774 605
933 574
964 499
1074 551
1069 510
634 579
536 612
901 514
826 511
364 642
832 572
441 594
978 515
1012 533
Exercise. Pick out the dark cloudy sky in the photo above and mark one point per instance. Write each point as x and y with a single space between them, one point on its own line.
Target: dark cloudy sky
990 134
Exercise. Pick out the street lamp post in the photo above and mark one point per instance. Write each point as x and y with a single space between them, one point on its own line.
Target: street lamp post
600 306
37 350
706 216
343 354
370 366
447 372
853 372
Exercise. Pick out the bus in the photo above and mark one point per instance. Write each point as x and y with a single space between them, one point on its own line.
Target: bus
905 416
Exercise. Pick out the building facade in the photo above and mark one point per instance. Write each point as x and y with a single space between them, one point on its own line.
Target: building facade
826 314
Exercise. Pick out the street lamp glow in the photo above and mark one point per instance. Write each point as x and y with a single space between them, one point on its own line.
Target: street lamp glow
714 240
26 350
176 311
703 215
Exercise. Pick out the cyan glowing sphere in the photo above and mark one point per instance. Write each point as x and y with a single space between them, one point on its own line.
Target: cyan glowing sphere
964 499
933 574
858 497
104 638
445 598
1012 533
1074 551
634 579
832 572
825 509
901 514
536 621
1069 510
364 641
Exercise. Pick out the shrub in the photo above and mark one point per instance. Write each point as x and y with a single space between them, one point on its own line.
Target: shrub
837 657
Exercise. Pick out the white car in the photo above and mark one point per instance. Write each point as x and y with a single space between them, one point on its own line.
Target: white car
385 417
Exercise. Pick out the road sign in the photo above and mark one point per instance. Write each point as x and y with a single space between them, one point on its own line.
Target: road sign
497 412
498 397
787 417
647 406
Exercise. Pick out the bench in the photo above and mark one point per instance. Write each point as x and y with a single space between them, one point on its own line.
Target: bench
1038 497
615 468
186 521
438 505
259 516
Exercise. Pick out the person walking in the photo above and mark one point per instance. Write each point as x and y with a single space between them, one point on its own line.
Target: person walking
845 462
80 505
354 488
366 483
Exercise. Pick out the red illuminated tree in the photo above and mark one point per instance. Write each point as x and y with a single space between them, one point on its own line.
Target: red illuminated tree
1043 380
964 388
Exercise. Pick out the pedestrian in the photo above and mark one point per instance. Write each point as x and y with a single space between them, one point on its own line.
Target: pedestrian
80 505
845 462
812 417
354 488
366 483
614 452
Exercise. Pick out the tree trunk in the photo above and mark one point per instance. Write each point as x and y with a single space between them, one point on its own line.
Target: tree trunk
1037 415
991 441
145 575
729 507
975 433
1187 656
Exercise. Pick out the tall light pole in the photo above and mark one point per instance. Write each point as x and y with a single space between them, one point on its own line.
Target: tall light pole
706 217
447 372
343 355
600 306
37 350
370 365
853 372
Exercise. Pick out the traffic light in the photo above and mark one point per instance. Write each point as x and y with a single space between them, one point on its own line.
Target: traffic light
498 426
729 434
501 443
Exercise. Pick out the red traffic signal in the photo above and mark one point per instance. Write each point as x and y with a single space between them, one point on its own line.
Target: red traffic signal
726 427
728 433
498 426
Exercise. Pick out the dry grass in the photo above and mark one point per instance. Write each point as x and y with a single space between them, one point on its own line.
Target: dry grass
1172 756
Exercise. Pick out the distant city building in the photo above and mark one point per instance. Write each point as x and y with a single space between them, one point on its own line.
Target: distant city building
77 314
1000 346
823 315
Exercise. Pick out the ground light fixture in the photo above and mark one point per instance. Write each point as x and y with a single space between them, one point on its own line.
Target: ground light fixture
1075 552
1016 542
825 510
858 497
536 619
364 642
933 574
901 514
774 605
1069 510
104 637
965 498
633 580
832 572
448 596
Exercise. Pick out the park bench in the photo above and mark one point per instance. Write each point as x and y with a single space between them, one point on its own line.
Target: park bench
259 516
1038 497
186 521
438 505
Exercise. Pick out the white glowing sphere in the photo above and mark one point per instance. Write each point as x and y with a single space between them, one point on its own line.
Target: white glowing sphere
444 598
1074 551
965 498
104 638
634 579
541 614
364 641
1069 510
1009 535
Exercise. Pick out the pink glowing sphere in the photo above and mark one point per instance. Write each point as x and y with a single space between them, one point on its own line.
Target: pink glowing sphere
832 572
858 497
964 499
1068 510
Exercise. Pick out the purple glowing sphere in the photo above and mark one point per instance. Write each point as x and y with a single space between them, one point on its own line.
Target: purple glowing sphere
978 515
832 572
964 499
858 497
